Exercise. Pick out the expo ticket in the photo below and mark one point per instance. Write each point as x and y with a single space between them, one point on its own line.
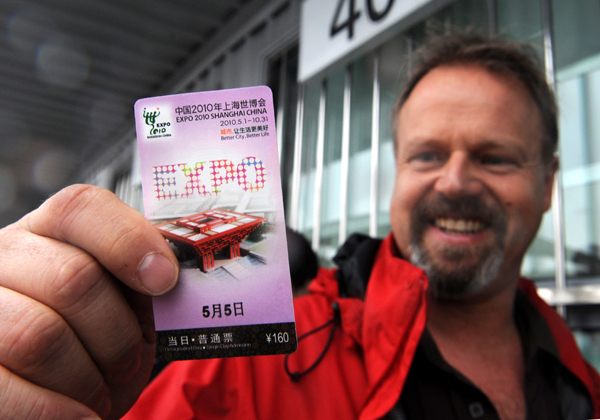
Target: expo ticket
211 185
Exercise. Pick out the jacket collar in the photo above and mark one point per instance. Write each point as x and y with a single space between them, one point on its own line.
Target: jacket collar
383 308
394 318
355 260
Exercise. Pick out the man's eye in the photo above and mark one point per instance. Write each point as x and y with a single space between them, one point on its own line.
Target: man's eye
496 160
426 157
427 160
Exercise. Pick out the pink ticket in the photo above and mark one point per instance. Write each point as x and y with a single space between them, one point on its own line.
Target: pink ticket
211 184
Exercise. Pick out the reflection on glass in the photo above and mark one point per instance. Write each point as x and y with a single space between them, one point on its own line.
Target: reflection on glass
309 148
330 199
576 31
577 57
589 344
578 97
360 145
282 80
522 20
393 67
472 14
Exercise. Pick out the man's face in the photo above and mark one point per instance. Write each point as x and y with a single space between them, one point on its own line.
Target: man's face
471 187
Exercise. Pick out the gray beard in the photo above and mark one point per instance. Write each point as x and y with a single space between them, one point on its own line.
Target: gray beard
484 262
461 282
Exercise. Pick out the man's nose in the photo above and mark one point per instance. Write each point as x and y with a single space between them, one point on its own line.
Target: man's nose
458 177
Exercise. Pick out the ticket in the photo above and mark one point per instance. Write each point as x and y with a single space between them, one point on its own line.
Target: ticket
211 186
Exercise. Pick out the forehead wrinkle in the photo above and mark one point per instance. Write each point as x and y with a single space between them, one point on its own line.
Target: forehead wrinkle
468 99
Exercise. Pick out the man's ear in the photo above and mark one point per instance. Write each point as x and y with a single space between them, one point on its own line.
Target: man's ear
550 171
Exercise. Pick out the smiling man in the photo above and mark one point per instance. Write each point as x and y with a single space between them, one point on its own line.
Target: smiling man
433 322
472 185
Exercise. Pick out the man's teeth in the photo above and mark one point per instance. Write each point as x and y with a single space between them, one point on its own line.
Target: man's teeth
459 225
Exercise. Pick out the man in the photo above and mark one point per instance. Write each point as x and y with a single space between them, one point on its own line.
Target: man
460 337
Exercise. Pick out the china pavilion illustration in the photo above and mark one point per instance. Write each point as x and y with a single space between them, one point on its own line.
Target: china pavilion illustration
203 234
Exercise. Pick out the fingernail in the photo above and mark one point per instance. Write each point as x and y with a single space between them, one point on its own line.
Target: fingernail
157 273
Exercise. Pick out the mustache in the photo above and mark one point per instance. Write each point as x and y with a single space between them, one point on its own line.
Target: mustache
467 207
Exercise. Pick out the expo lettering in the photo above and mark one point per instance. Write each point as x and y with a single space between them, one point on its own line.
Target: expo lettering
218 115
221 172
150 119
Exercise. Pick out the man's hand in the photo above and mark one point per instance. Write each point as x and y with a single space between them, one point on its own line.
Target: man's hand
76 326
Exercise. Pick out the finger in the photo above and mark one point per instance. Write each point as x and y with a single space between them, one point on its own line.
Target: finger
119 237
22 400
129 393
38 345
77 287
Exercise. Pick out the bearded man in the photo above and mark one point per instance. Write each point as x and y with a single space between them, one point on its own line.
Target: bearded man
435 321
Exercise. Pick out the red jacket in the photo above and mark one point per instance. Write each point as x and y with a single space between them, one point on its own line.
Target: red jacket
363 370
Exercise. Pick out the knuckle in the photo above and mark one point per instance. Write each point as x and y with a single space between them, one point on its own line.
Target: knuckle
28 407
41 352
36 338
75 194
24 401
75 293
127 235
10 238
65 206
72 197
74 282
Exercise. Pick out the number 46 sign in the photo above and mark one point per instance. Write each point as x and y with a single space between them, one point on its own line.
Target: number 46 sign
331 29
339 24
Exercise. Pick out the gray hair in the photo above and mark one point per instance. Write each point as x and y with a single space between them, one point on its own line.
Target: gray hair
515 59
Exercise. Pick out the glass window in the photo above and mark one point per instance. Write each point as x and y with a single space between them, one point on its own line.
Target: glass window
281 79
471 14
393 65
577 59
332 153
589 344
576 31
579 98
308 164
522 20
359 171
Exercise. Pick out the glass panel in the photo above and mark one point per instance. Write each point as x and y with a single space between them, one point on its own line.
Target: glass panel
330 210
579 99
471 14
577 58
359 176
576 31
393 66
308 166
589 344
521 20
289 123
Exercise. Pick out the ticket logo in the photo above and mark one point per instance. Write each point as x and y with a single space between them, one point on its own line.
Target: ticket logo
157 127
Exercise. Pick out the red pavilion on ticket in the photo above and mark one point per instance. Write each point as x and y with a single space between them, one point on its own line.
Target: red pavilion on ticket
203 234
